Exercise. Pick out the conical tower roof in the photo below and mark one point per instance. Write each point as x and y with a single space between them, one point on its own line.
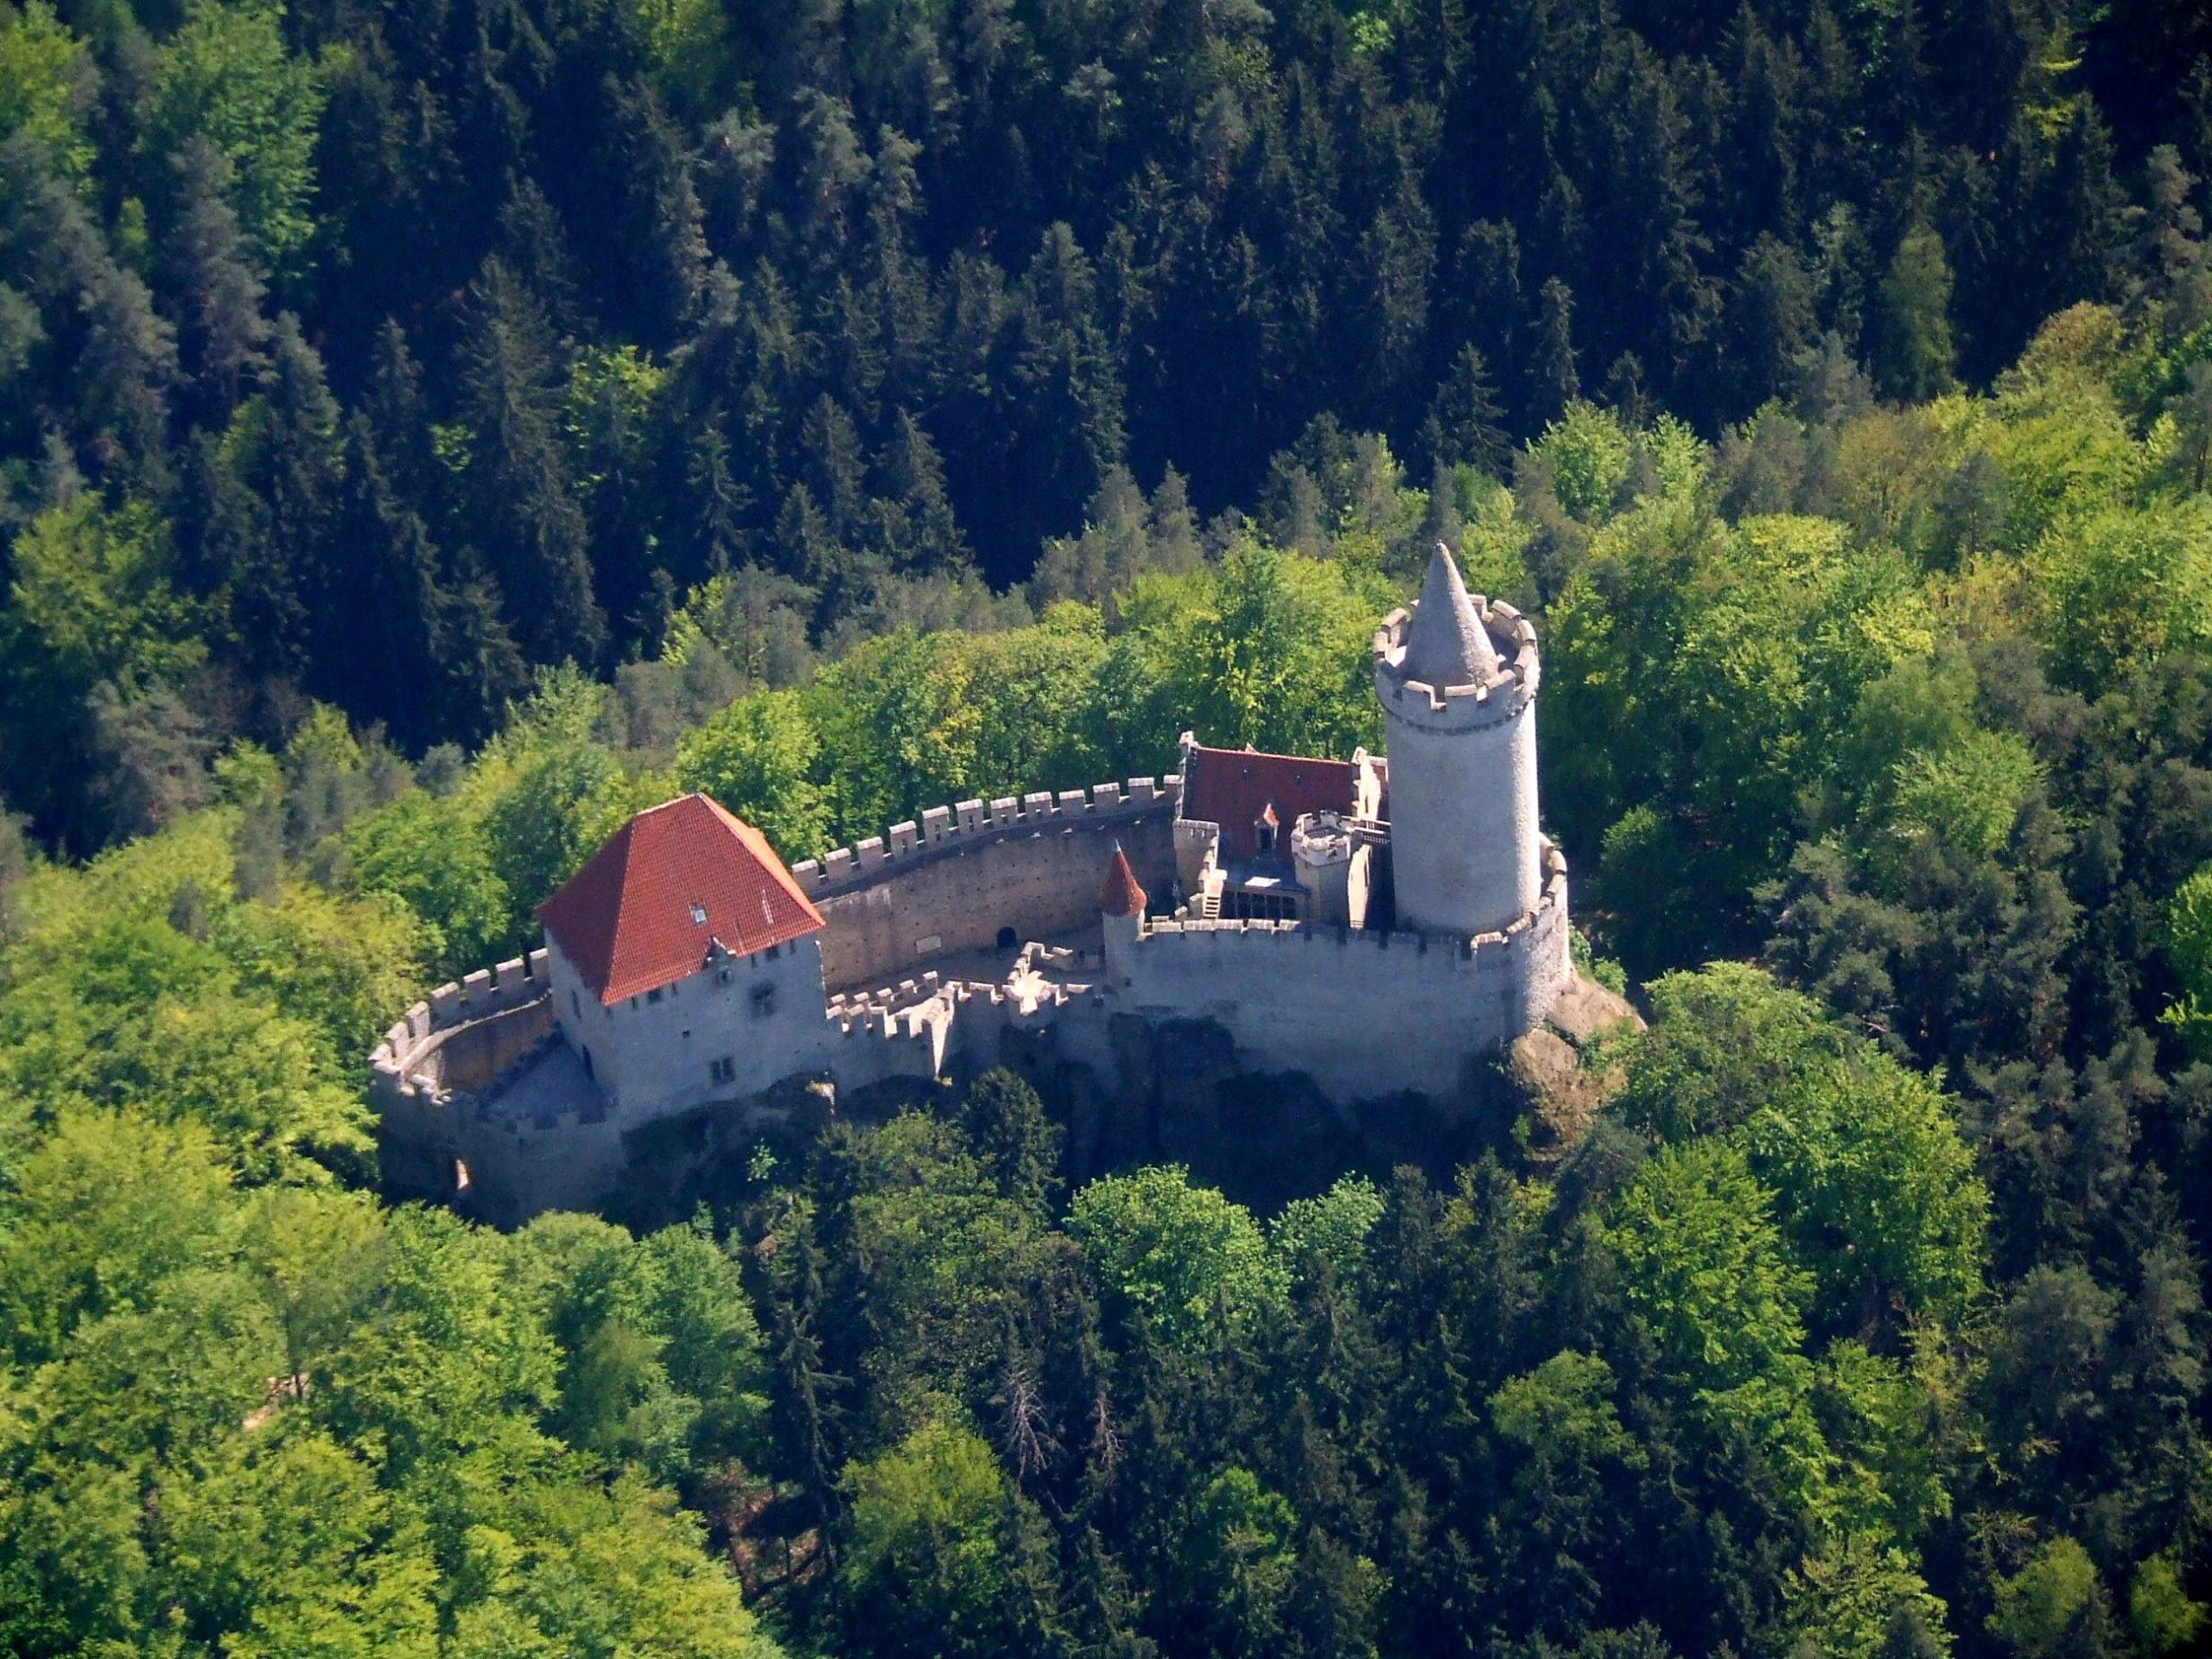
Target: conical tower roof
1446 644
1120 896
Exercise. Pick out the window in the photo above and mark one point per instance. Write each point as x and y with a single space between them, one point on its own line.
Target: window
722 976
698 915
764 1001
775 951
653 995
1243 904
722 1071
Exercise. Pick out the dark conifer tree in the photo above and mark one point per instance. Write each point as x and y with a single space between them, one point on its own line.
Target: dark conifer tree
1465 425
719 504
259 508
109 359
1067 419
522 507
916 529
297 468
1398 257
533 242
1551 381
217 291
1771 321
653 249
1487 299
391 660
399 420
833 467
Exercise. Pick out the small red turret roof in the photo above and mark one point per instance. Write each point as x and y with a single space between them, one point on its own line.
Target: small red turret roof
666 888
1120 896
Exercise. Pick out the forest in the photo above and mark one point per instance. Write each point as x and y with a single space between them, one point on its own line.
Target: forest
431 430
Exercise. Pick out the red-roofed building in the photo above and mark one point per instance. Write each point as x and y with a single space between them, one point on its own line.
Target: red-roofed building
667 888
1270 836
684 961
1234 788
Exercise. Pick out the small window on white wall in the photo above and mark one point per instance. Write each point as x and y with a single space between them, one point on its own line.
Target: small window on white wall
698 915
764 1001
722 1071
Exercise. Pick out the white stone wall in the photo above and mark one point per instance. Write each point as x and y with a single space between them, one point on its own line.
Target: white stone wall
1363 1013
948 884
519 1170
587 1024
1465 844
1463 833
653 1056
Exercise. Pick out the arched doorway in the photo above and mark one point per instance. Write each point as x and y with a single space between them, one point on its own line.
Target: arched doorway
1008 940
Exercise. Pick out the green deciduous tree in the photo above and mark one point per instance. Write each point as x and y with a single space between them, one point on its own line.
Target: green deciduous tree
1703 1265
2189 945
1871 1180
226 77
924 1569
1182 1257
2054 1605
757 757
47 83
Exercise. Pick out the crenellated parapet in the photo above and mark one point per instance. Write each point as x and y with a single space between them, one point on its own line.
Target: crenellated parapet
1413 950
967 825
1363 1012
412 1051
1491 701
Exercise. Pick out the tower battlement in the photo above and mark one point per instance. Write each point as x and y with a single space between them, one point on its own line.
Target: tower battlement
1496 697
1457 680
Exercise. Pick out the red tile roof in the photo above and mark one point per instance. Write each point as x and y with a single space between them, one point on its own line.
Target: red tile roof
1120 896
1234 787
667 886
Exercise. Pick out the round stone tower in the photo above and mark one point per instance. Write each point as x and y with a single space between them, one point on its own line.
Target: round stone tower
1458 683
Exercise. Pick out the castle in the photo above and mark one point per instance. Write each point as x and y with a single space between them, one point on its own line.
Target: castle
1379 925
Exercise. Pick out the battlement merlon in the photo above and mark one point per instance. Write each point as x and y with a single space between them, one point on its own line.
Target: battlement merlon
1501 698
1444 947
488 991
968 822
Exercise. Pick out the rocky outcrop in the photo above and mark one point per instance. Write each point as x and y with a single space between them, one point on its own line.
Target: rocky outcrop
1558 1076
1183 1097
